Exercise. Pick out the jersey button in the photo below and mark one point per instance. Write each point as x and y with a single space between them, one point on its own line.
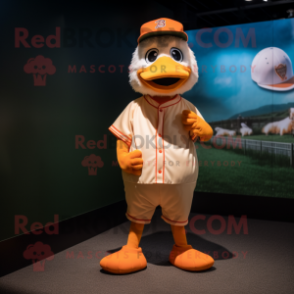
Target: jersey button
160 110
159 135
159 171
160 151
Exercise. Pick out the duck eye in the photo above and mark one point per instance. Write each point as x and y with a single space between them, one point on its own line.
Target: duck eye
151 55
176 54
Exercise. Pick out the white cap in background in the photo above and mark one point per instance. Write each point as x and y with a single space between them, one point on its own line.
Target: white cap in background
272 69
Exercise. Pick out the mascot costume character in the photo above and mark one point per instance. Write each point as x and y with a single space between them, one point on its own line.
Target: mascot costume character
155 145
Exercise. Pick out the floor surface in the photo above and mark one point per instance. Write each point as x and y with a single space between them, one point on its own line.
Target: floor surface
258 262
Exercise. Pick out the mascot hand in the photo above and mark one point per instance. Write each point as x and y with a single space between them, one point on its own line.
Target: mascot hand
196 126
130 162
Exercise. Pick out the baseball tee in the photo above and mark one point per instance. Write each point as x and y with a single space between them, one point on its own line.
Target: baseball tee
168 153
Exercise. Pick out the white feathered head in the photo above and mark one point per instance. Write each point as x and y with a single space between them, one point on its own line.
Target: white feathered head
163 65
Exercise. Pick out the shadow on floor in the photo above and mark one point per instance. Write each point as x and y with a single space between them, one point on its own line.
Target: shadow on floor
8 290
156 247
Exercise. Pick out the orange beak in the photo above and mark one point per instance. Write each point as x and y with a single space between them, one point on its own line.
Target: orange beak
164 75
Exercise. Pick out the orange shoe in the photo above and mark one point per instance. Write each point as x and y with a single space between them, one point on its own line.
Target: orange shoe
124 261
187 258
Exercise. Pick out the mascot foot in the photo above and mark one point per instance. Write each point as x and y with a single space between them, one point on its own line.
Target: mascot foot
187 258
124 261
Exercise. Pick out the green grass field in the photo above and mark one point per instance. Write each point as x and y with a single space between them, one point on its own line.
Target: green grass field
230 172
273 138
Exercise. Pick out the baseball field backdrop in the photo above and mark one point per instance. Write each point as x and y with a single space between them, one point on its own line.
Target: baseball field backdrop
246 92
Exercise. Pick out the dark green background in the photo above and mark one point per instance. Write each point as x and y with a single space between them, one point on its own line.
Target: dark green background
41 171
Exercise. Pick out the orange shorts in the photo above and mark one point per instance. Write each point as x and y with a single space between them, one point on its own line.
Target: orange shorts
174 199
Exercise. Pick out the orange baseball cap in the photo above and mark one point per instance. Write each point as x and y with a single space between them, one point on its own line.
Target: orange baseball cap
162 26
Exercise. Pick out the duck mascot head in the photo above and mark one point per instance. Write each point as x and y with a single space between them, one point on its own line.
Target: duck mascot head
155 145
163 64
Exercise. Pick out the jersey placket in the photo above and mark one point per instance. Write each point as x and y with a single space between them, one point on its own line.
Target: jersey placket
159 166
